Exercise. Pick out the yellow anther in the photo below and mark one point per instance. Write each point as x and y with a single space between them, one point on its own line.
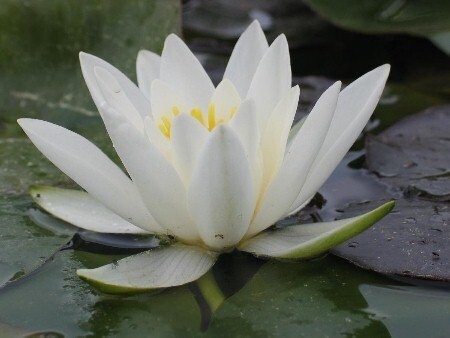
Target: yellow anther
196 113
164 130
165 126
211 116
175 110
233 112
166 121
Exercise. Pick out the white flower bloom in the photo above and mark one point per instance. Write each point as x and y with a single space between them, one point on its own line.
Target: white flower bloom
212 166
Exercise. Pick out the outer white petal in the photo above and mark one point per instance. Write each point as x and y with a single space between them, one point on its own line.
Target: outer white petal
244 60
181 70
140 106
159 268
187 138
355 106
220 195
305 241
82 210
225 99
274 138
286 186
272 79
157 180
147 70
90 168
164 99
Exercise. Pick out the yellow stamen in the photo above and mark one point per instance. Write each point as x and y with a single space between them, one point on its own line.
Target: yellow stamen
211 116
175 110
196 113
233 112
165 126
164 130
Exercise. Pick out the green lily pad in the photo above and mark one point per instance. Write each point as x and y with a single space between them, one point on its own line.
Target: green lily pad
410 157
412 241
396 307
326 291
386 16
413 154
25 246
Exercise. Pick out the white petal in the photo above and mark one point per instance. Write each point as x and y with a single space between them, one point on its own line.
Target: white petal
159 268
88 64
272 79
244 60
181 70
90 168
187 138
245 125
355 106
82 210
225 99
297 161
164 99
274 138
114 95
306 241
156 179
147 70
220 195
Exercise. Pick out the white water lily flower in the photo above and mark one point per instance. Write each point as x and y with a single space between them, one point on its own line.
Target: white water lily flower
214 167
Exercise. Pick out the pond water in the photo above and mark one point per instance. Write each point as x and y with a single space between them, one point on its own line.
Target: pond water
242 296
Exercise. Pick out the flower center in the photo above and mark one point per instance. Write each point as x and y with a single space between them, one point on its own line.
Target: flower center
210 122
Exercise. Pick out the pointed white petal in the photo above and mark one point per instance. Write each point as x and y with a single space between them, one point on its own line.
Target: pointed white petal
306 241
82 210
164 99
245 125
90 168
159 268
181 70
220 195
225 99
244 60
297 161
88 64
272 79
274 138
114 95
187 138
156 179
147 70
355 106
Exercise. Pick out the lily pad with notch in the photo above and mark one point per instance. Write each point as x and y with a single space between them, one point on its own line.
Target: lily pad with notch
414 154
